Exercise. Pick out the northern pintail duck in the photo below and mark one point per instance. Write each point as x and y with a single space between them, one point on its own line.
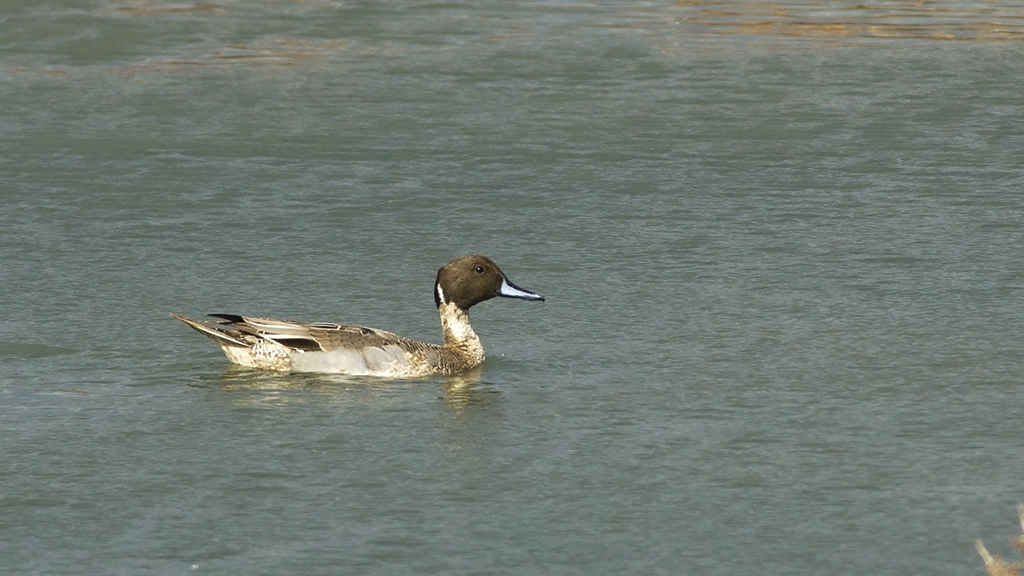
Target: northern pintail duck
335 348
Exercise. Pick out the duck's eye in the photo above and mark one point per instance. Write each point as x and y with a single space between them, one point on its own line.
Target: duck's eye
479 269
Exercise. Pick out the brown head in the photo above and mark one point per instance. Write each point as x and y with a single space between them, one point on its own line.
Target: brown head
470 280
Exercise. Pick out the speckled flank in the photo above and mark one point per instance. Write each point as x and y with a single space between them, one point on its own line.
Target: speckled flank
285 345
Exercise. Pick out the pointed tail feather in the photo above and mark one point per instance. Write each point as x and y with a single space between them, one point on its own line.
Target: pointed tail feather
220 336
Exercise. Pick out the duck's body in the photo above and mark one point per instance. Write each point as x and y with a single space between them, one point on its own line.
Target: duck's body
334 348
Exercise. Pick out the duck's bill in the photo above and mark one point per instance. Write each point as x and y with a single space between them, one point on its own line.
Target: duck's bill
510 290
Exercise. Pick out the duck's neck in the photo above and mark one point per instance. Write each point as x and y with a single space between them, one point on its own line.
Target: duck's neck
459 335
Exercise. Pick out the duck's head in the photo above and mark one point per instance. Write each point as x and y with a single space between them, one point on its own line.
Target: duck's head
470 280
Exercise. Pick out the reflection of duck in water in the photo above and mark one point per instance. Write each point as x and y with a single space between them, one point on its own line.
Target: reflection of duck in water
335 348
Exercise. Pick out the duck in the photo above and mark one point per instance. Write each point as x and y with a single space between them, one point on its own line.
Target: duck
324 347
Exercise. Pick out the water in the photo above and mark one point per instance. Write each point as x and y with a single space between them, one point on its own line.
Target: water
779 241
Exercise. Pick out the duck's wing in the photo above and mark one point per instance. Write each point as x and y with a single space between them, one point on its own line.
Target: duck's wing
314 337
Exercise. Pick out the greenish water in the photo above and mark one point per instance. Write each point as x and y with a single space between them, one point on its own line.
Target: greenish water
780 246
